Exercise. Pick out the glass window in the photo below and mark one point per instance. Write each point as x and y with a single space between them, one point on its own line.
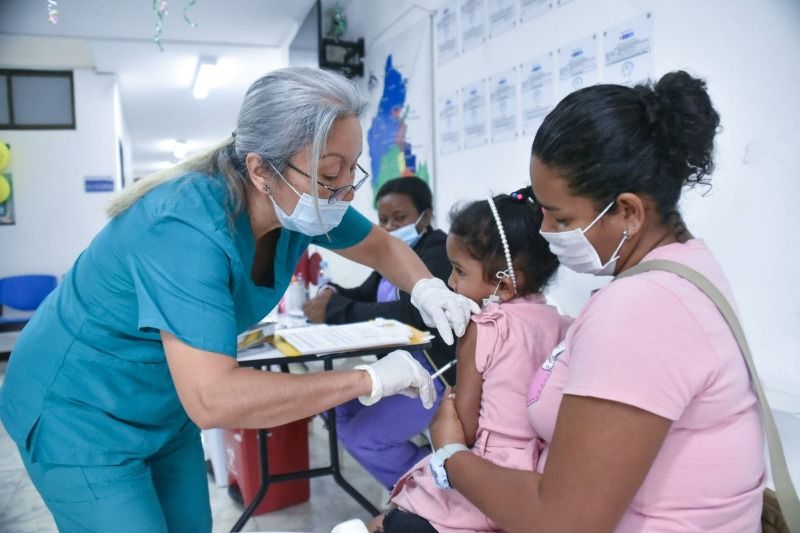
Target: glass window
5 114
42 100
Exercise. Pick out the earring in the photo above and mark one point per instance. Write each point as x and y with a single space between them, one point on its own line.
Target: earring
267 189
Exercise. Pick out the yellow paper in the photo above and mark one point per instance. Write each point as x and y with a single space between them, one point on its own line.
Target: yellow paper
417 337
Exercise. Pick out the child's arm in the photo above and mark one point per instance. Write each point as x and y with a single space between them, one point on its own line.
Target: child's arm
469 383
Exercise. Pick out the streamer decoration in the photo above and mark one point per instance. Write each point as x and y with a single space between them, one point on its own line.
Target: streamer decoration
160 11
190 4
52 11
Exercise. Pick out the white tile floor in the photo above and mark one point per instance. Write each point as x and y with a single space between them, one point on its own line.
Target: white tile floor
22 509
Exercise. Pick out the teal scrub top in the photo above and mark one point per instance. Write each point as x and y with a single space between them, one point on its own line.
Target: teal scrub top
88 382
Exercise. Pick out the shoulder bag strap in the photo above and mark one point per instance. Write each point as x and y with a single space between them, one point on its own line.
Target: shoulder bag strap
787 496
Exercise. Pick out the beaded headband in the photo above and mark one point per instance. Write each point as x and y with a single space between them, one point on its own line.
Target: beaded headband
506 249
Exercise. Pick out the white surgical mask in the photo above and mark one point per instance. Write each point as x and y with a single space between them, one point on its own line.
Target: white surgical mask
304 218
408 233
575 252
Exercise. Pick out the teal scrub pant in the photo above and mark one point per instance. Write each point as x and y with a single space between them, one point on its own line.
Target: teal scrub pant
167 492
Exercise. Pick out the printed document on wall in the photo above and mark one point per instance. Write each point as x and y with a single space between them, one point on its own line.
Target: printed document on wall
538 91
629 51
473 114
503 98
446 23
473 24
577 65
530 9
502 16
449 126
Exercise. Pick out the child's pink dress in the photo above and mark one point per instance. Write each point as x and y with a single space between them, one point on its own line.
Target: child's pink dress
513 339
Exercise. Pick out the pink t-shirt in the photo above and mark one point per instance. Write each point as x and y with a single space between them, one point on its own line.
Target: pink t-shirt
656 342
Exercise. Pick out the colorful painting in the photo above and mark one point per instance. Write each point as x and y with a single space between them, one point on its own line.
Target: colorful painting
400 74
6 186
6 199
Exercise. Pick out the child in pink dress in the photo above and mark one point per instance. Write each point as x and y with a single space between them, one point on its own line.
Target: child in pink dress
499 259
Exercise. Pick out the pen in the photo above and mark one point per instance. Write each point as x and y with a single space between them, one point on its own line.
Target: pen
444 369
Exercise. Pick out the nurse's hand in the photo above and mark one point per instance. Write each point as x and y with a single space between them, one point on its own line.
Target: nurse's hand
399 373
441 308
446 427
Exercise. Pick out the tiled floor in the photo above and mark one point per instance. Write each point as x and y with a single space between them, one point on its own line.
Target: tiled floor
22 509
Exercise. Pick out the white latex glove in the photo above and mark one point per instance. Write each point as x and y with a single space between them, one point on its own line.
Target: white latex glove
441 308
399 373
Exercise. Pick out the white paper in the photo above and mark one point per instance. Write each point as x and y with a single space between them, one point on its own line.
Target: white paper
474 115
446 22
629 51
473 24
530 9
503 98
538 91
326 339
449 125
577 65
502 16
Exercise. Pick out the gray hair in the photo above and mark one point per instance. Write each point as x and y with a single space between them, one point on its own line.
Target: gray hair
282 113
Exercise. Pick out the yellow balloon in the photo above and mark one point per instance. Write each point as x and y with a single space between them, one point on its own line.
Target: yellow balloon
5 189
5 156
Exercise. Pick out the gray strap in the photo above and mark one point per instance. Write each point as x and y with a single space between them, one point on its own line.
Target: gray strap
787 496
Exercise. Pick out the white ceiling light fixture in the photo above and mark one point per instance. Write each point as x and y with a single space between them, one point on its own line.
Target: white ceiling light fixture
180 149
204 76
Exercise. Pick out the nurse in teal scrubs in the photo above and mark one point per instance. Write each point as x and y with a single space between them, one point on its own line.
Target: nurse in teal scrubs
109 383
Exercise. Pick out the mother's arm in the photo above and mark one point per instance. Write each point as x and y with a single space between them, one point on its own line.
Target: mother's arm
600 455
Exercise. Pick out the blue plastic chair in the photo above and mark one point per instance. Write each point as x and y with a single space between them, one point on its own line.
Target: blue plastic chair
23 293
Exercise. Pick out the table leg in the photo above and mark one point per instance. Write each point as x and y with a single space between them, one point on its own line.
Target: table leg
262 487
333 444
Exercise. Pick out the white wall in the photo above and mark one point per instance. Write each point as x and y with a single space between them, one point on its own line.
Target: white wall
748 53
55 218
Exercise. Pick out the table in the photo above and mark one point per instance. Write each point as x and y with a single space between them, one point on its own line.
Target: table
333 443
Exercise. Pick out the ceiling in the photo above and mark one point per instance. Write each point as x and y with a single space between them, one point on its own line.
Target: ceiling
248 38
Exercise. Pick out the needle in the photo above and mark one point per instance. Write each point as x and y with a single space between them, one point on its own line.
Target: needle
444 369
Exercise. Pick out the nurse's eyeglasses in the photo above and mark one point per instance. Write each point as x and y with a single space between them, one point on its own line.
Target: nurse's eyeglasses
359 177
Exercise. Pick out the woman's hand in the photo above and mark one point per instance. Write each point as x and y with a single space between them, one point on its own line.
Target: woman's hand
314 309
394 260
442 308
399 373
446 427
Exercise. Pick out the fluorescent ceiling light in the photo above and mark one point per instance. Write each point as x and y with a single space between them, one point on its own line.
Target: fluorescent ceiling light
180 149
204 77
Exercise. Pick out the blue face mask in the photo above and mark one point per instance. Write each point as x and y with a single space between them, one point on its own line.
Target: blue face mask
408 234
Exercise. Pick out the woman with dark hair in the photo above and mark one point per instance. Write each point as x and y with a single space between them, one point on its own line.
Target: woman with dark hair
647 412
378 436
